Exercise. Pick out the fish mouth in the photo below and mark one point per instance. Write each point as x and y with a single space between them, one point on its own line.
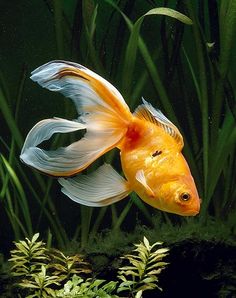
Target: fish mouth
191 212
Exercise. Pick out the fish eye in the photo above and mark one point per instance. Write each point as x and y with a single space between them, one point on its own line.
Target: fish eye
185 196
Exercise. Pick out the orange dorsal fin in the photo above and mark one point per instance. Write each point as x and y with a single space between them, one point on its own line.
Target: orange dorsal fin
147 112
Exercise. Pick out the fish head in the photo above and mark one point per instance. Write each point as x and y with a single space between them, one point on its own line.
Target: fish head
179 196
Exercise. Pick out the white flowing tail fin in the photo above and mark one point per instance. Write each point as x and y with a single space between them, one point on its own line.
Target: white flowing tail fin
102 112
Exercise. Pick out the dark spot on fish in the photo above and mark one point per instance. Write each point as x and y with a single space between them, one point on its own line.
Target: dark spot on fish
158 152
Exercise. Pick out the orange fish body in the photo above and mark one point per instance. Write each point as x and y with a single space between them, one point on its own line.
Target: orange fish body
150 145
167 175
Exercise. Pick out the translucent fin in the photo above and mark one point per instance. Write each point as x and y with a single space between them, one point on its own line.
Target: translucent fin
102 111
100 188
89 91
141 178
44 129
147 112
65 161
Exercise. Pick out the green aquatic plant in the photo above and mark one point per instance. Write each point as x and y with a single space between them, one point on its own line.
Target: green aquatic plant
28 257
40 284
145 264
50 273
5 278
188 71
64 267
14 200
213 87
38 268
78 287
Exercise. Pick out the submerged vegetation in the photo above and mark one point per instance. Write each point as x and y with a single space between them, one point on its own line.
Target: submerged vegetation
42 272
195 89
182 63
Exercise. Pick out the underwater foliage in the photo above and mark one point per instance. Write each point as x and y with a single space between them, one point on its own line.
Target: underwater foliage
40 284
144 266
28 257
77 287
43 272
181 60
64 266
15 200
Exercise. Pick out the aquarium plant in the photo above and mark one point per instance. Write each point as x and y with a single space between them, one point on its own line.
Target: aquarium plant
42 272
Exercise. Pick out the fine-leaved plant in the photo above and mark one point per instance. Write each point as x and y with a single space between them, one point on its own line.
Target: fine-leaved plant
40 284
28 257
42 272
64 267
145 264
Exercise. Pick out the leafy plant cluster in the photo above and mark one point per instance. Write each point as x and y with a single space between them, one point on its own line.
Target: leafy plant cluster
177 54
41 272
142 272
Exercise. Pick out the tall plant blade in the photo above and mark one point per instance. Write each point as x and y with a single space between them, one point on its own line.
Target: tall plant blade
132 47
20 194
9 118
202 60
227 24
225 143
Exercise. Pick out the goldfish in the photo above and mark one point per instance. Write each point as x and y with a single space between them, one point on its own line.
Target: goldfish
150 145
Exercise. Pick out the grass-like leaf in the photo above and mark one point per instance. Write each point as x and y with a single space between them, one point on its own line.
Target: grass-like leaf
132 47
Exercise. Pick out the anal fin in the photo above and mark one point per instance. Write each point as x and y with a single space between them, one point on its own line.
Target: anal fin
100 188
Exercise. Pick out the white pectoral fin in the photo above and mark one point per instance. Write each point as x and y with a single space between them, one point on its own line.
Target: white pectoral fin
140 177
100 188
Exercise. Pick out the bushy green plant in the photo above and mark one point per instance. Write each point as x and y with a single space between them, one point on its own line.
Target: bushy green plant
78 287
40 284
145 264
41 276
28 257
64 267
37 268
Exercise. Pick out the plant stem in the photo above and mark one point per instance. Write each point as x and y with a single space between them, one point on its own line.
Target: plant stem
201 59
